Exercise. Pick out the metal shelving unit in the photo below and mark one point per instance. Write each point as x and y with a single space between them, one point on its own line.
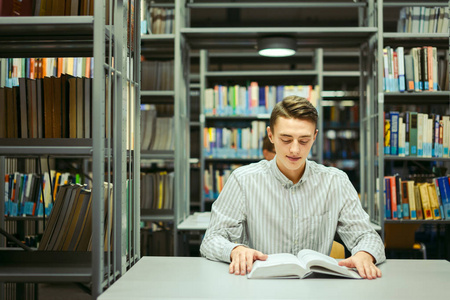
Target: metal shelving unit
114 84
171 46
373 157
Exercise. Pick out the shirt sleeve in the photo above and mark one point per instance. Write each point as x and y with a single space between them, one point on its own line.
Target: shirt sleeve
354 226
226 227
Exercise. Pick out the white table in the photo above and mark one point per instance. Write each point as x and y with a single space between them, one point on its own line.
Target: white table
199 278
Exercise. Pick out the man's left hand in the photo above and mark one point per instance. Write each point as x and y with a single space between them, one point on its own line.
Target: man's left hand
364 264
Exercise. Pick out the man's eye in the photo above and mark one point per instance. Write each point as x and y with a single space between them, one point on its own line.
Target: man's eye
304 142
286 141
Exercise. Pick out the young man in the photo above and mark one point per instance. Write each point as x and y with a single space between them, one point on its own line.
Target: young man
290 203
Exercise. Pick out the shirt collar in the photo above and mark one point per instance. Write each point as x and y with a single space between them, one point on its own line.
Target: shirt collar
286 182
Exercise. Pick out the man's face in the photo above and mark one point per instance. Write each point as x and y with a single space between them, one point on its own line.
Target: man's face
293 139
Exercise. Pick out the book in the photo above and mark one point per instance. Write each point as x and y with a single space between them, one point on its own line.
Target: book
409 72
405 200
444 189
426 203
307 262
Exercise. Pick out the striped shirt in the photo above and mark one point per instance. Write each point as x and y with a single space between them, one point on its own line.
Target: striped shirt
259 207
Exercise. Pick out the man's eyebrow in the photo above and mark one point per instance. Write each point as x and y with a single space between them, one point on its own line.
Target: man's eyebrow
290 136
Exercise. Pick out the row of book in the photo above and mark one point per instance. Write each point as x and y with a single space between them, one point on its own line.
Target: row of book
405 199
420 70
27 194
340 116
157 133
246 142
157 20
215 177
421 19
52 107
11 69
157 75
252 99
69 227
416 134
14 8
157 190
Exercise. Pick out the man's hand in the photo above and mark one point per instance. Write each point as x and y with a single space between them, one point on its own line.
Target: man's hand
242 259
364 263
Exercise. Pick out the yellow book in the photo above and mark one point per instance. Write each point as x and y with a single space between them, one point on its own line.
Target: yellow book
434 202
412 200
426 203
161 189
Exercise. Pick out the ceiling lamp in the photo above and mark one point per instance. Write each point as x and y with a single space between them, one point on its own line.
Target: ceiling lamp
277 46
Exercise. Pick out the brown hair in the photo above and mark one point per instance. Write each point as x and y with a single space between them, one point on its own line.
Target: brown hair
294 107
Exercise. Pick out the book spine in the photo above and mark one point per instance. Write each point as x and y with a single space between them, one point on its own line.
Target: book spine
394 120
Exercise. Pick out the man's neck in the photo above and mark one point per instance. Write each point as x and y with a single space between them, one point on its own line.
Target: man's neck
292 175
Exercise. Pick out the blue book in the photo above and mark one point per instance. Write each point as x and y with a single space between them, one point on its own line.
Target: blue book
394 116
387 202
262 96
280 92
444 188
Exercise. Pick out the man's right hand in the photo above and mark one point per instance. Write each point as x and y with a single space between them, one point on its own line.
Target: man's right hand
242 259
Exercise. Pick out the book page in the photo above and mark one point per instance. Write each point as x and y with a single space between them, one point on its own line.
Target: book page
321 263
278 266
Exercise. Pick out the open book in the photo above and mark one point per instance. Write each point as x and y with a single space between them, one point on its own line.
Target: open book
286 265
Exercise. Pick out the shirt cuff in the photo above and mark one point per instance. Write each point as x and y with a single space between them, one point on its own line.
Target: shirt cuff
379 257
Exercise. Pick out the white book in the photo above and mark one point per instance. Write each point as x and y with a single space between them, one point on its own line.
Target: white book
307 262
401 69
429 137
415 19
446 135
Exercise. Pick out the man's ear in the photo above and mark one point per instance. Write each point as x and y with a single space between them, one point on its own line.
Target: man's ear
315 134
269 134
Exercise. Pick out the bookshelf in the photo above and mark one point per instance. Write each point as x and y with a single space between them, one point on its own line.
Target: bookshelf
254 118
375 162
115 86
234 28
165 89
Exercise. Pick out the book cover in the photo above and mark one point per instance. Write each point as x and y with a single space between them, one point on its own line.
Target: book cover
444 188
394 121
411 199
426 204
434 201
401 69
387 134
387 200
413 133
405 200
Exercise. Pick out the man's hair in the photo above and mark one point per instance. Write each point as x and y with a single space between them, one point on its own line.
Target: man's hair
267 144
294 107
